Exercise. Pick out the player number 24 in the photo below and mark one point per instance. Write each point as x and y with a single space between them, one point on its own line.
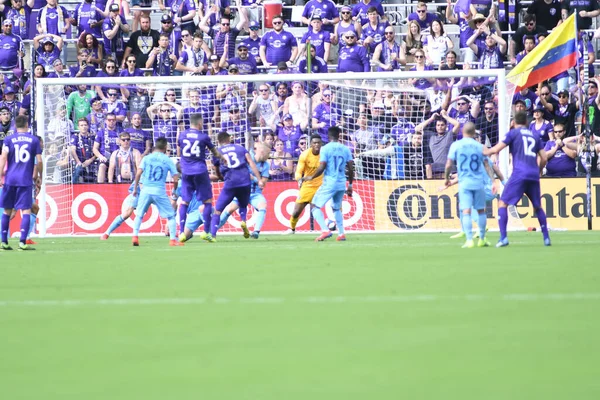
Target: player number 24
22 153
190 148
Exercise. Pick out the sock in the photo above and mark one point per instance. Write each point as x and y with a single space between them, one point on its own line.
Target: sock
183 210
224 217
502 221
339 221
25 222
467 225
5 222
32 219
482 223
320 218
115 224
243 213
206 216
137 224
541 216
293 223
474 217
260 220
214 224
172 224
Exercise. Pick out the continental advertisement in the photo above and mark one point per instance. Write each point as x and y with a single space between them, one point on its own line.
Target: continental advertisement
425 205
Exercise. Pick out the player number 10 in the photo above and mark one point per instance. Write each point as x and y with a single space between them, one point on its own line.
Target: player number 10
22 153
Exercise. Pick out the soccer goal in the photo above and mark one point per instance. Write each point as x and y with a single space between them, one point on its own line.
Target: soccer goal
383 116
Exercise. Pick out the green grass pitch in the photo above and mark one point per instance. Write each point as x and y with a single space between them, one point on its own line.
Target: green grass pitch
377 317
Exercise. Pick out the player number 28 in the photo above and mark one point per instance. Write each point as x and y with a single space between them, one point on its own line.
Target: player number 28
190 148
473 162
22 153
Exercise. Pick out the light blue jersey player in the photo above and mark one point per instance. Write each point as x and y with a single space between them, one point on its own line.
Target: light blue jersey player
257 200
119 219
467 153
194 218
154 170
335 164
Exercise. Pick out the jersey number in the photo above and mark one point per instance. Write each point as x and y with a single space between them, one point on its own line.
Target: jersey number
155 174
471 162
22 153
190 148
232 160
528 143
338 162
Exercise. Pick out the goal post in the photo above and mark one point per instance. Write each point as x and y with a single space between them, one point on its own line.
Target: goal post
383 201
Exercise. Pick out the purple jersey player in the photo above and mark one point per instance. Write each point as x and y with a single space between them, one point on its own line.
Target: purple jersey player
526 148
191 147
21 154
233 169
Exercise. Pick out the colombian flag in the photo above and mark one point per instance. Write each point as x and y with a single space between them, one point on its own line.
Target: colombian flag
553 55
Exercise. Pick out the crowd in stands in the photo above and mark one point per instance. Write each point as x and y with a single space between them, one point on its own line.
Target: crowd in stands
396 129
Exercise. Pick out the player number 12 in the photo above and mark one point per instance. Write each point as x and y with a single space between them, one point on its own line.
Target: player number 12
528 143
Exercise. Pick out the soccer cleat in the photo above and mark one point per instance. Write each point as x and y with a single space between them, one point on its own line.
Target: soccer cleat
5 247
289 232
323 236
204 235
24 247
547 242
210 239
341 238
29 241
502 242
254 235
245 229
175 243
483 243
469 244
104 236
459 235
182 238
135 241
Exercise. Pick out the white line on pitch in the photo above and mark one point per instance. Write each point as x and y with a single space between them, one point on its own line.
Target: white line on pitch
512 297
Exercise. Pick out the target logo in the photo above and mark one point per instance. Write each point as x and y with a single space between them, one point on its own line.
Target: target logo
51 208
89 211
352 209
150 218
284 207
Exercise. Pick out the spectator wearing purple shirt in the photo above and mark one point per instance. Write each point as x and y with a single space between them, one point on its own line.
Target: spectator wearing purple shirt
289 134
529 98
346 24
278 45
161 59
53 19
113 29
539 126
224 38
237 127
106 141
372 33
183 13
317 65
529 44
174 34
325 115
10 47
587 55
95 51
359 10
352 57
165 122
389 55
318 37
423 17
491 54
245 63
110 70
140 139
112 105
561 159
325 10
81 149
88 18
46 50
421 83
19 14
253 42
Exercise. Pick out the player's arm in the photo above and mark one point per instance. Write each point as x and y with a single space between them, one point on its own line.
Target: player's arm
379 153
255 170
217 154
3 159
494 150
497 172
300 169
318 172
448 171
350 176
136 182
542 160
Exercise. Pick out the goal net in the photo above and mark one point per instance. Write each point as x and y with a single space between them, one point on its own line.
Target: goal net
398 125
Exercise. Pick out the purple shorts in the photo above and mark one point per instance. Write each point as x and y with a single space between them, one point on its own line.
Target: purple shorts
199 183
16 197
226 196
515 189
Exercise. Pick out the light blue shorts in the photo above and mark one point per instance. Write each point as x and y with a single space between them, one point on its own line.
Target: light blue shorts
255 200
468 199
324 194
160 200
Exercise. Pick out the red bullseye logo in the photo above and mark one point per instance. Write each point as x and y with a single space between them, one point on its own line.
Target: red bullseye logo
284 207
352 209
89 211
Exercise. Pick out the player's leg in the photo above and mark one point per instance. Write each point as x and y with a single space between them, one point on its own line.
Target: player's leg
204 194
513 191
119 219
321 197
298 208
259 203
479 205
7 202
165 209
144 203
32 220
193 222
187 189
230 209
465 200
533 191
225 197
24 201
243 196
336 206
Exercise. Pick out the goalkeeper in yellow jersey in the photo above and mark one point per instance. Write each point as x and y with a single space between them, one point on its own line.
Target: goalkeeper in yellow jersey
307 166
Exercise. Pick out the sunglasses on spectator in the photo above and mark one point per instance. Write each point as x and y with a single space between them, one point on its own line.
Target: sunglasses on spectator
126 139
421 11
112 94
170 94
225 24
389 33
418 57
235 111
301 143
489 109
461 104
110 67
242 50
165 110
345 12
277 22
530 24
130 61
263 90
545 93
562 96
559 131
326 95
350 37
186 35
111 120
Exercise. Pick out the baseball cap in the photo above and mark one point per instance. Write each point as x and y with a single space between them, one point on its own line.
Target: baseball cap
539 107
166 18
234 107
214 57
7 22
519 101
4 108
349 112
114 7
316 17
233 67
48 40
564 91
346 8
242 44
326 91
287 116
254 26
57 61
9 89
